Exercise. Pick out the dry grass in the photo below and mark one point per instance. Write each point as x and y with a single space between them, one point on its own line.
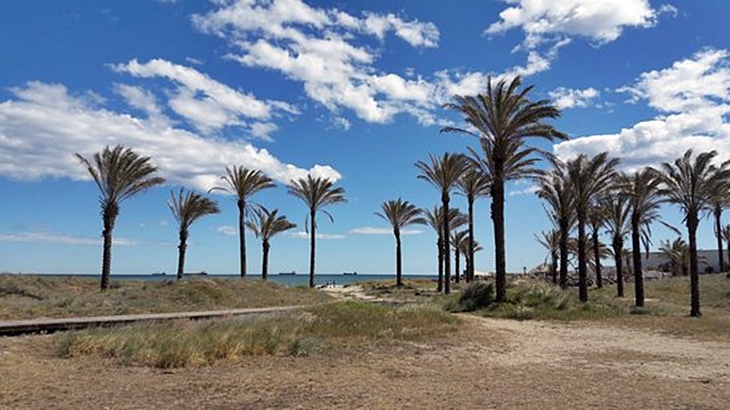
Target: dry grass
33 296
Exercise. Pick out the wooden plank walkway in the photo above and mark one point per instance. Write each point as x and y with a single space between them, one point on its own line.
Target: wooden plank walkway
46 325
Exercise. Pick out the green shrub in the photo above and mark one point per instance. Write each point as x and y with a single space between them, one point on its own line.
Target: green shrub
476 296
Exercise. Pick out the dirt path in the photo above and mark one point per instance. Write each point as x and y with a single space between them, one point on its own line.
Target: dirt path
495 364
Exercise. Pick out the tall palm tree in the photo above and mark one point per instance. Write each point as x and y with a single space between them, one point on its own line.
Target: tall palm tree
316 193
443 173
188 207
119 173
472 184
554 188
504 117
550 240
243 183
677 253
590 179
618 225
718 202
399 214
690 183
642 189
434 218
265 225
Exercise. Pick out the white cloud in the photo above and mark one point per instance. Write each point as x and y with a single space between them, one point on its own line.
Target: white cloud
549 25
693 99
570 98
306 235
44 125
525 191
207 104
316 47
227 230
369 230
58 238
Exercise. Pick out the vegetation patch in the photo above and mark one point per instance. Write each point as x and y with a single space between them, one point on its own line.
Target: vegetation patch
186 343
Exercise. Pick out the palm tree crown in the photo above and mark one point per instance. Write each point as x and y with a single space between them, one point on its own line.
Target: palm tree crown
400 213
119 173
504 117
316 193
243 183
617 221
187 207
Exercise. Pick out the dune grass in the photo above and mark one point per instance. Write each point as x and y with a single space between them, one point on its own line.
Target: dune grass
34 296
314 330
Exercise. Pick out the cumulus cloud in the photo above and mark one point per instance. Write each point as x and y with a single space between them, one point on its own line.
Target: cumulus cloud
692 98
316 46
549 25
227 230
207 104
306 235
44 124
564 98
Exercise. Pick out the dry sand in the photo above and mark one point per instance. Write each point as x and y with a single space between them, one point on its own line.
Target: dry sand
491 364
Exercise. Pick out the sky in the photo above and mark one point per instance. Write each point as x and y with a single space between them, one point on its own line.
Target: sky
351 91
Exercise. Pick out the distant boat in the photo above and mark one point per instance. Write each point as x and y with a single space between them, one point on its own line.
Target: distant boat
353 273
201 273
159 273
288 273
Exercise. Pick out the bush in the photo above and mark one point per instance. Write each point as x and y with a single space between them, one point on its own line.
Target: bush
476 296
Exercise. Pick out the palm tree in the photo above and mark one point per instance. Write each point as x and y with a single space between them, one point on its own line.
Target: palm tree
188 208
465 246
590 180
457 239
434 218
243 183
595 220
677 253
265 224
119 173
399 214
443 173
718 202
554 188
550 240
504 117
618 224
642 189
316 193
690 183
472 184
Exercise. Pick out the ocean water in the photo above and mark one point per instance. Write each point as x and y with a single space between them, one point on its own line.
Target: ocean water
300 279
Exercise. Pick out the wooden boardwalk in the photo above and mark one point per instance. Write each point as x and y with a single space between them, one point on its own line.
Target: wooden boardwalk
46 325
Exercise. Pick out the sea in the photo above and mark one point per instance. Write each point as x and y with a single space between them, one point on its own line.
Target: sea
299 279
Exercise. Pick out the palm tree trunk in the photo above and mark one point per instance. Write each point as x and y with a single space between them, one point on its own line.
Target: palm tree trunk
694 276
500 267
554 267
312 244
181 248
265 260
106 258
718 232
636 252
446 243
456 264
617 250
439 244
563 255
470 260
242 235
597 258
582 271
398 261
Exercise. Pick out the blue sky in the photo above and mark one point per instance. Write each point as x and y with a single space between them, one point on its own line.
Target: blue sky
348 90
